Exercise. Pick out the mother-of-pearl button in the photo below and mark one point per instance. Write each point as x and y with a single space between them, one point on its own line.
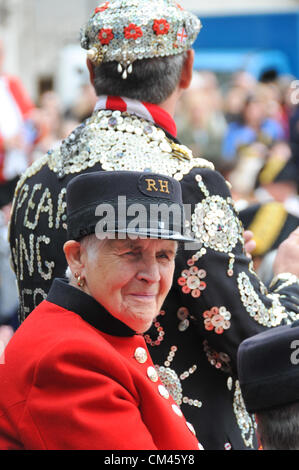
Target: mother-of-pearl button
140 355
152 374
163 392
177 410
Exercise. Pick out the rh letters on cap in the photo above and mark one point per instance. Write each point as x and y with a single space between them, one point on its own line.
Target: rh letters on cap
156 186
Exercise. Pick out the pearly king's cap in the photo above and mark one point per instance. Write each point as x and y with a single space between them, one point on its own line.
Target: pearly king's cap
121 204
128 30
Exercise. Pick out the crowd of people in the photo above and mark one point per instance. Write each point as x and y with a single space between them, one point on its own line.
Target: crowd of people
239 125
221 295
249 129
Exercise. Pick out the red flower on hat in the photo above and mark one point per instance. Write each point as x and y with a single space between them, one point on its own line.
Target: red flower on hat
161 26
179 7
133 32
105 35
101 8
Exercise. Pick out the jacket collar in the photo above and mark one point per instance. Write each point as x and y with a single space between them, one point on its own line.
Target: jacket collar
68 297
150 112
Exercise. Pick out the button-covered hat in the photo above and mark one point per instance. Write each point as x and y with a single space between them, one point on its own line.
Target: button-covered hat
268 367
128 30
125 203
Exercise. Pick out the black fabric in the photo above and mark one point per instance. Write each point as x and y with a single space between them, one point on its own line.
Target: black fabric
268 366
66 296
7 190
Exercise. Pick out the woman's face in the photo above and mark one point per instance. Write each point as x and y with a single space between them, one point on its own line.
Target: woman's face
130 278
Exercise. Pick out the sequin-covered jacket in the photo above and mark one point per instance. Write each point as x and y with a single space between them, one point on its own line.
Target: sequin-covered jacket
216 300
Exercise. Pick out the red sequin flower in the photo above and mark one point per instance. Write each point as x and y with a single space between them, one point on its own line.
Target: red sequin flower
161 27
191 280
105 36
133 32
101 8
217 319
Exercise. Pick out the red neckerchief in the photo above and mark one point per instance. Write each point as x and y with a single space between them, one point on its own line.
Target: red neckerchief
148 111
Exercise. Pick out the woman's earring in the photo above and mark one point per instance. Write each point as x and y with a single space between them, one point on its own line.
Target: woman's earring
80 280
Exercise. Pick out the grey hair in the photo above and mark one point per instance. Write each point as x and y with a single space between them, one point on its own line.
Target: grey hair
91 244
152 80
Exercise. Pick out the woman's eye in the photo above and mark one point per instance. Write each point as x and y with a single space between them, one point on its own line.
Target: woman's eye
163 256
131 253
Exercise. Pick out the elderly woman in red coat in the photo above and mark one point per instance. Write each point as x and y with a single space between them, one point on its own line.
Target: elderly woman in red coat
77 374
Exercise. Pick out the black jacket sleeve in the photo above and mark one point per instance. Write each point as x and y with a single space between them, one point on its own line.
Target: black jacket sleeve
215 281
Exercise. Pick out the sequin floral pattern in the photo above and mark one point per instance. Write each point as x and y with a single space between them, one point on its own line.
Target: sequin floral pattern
216 225
133 31
191 281
217 319
106 35
161 26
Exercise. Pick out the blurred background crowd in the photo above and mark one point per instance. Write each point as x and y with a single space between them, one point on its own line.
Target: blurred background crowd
247 125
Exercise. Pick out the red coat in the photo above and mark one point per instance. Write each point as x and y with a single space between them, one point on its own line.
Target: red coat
67 385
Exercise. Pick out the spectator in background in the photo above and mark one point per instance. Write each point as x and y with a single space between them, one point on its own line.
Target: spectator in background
254 126
249 161
201 121
55 126
17 131
235 96
84 105
278 179
268 366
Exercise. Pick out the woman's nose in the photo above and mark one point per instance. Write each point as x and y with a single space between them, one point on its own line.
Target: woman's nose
149 272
